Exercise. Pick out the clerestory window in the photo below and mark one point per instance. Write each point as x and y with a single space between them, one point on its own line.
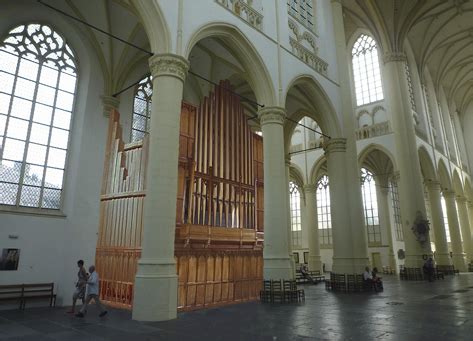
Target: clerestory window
366 71
142 109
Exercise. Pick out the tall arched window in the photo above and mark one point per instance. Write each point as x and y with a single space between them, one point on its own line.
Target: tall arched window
396 210
142 109
370 204
295 203
324 219
445 218
37 86
366 71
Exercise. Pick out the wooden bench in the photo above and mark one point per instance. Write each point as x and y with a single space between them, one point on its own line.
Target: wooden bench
38 291
12 293
448 269
315 275
28 292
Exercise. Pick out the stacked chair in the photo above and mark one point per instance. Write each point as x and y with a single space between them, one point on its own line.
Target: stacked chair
281 291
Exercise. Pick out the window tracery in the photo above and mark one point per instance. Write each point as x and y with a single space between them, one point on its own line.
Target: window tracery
366 71
370 204
38 76
295 203
324 218
142 109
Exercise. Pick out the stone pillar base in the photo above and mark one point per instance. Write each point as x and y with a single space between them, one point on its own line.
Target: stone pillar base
155 293
415 261
459 261
315 263
349 265
278 268
442 259
392 263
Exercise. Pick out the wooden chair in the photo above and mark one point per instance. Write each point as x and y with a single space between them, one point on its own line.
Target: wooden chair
265 293
351 283
299 293
289 294
276 291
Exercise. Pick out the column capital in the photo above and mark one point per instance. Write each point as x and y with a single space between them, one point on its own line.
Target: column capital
272 115
448 194
335 145
287 160
432 184
311 188
396 176
470 203
395 56
109 103
461 199
168 64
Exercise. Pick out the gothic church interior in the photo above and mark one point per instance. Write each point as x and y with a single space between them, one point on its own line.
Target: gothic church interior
192 149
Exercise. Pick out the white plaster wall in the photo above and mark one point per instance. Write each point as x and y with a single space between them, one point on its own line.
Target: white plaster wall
50 246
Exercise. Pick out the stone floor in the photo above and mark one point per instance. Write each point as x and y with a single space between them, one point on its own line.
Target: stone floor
442 310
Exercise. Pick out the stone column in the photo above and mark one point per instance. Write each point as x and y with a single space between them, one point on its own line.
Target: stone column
442 256
155 295
289 225
309 222
458 257
382 193
109 103
343 168
411 191
465 226
350 251
277 264
470 215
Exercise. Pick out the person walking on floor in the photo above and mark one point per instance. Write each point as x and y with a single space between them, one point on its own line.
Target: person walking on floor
92 293
80 286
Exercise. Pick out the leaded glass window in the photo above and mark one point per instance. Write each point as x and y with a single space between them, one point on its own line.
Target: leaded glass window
396 210
370 204
295 205
142 109
324 219
303 11
38 77
366 71
445 218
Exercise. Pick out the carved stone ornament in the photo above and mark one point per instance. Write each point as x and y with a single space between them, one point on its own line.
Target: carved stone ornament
109 103
335 145
401 254
272 115
394 57
169 65
421 228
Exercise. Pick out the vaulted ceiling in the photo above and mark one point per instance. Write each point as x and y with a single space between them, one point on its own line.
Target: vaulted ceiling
117 17
440 33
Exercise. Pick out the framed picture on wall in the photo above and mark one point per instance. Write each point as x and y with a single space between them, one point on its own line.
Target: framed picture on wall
9 259
296 257
306 257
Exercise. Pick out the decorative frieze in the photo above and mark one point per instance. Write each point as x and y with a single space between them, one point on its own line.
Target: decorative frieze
394 57
168 64
272 115
378 129
308 57
244 10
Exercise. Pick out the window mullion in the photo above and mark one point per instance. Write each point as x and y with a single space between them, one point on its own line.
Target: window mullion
9 108
28 135
41 194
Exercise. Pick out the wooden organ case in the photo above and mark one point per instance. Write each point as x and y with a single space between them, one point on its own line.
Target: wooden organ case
219 220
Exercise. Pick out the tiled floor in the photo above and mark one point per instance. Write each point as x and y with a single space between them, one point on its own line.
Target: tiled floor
442 310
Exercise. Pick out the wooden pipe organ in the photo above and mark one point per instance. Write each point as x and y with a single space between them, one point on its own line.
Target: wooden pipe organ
219 220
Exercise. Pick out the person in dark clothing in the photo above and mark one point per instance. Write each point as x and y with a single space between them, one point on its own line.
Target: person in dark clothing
429 269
